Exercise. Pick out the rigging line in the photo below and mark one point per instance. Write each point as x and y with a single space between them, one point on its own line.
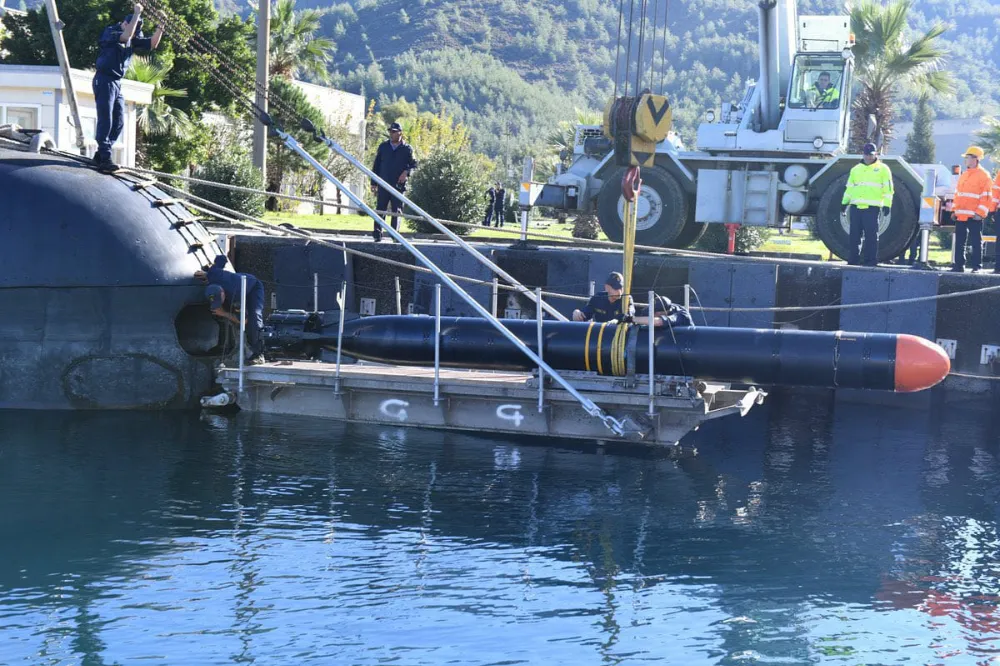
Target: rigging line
618 47
663 51
628 47
264 225
193 49
187 33
652 47
642 42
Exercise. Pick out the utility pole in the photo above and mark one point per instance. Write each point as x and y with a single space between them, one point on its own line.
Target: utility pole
56 26
263 65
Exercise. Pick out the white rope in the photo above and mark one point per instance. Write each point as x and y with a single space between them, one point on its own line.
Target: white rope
852 306
409 216
257 223
302 234
991 378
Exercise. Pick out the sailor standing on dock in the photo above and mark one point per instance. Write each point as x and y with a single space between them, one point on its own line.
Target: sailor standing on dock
607 306
223 294
117 43
393 163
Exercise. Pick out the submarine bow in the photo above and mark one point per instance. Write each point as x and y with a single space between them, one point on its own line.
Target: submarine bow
100 307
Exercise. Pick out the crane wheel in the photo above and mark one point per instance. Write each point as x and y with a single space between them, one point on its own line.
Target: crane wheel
691 233
894 234
663 208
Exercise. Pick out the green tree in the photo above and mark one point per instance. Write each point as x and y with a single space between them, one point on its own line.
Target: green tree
27 41
231 167
920 141
988 138
285 168
562 140
295 50
449 184
887 61
748 238
159 117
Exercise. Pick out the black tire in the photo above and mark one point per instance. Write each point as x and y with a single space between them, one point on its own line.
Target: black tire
891 240
691 233
664 198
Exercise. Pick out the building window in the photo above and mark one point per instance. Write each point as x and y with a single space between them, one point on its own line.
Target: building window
25 116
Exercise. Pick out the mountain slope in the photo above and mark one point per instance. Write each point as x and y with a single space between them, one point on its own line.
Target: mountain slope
508 67
512 70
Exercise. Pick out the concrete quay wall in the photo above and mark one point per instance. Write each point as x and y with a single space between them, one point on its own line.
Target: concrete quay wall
287 265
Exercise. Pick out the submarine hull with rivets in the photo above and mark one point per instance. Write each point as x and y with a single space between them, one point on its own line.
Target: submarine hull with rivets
101 310
880 361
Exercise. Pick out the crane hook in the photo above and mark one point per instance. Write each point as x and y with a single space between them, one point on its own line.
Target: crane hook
631 183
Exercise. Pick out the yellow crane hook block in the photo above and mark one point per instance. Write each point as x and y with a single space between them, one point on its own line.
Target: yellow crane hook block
636 125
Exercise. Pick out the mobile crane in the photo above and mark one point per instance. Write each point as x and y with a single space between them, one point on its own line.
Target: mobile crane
780 152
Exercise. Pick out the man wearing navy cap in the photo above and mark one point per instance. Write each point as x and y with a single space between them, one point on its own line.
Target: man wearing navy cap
393 164
607 306
117 43
223 294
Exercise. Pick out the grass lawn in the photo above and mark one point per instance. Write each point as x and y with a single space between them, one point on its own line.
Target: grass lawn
359 223
794 242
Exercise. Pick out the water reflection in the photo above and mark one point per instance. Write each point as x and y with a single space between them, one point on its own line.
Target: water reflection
809 531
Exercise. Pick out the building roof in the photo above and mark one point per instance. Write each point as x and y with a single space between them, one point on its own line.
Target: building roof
49 77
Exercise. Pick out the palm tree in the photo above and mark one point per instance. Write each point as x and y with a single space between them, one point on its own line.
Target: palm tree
562 139
158 118
885 62
988 138
295 49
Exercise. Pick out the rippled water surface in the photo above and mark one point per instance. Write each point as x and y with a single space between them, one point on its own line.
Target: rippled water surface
807 532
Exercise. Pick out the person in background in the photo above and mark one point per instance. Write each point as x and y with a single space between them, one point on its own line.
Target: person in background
498 205
607 306
491 197
223 294
869 192
973 198
117 43
828 97
393 163
991 221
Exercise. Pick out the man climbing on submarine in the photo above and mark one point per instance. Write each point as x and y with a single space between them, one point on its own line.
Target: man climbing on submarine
223 294
117 42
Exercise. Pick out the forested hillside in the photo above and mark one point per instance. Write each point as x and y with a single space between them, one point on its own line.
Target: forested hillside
511 70
505 66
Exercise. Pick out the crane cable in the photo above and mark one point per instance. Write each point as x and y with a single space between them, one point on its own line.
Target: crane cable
663 51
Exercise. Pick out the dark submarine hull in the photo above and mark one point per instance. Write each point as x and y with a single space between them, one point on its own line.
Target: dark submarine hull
101 310
880 361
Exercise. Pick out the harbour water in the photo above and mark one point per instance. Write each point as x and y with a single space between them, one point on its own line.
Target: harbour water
809 532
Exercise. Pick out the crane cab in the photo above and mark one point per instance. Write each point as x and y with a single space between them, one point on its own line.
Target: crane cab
816 118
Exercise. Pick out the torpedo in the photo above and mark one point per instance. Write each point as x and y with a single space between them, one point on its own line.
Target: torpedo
901 363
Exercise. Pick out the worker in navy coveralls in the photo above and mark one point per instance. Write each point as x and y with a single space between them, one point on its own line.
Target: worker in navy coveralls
223 294
117 43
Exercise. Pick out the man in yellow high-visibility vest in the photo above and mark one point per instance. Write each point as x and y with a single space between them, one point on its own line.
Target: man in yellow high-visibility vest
869 192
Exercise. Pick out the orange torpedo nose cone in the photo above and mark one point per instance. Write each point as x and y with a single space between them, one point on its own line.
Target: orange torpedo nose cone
920 364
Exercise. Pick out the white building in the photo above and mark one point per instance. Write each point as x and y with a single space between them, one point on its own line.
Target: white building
340 109
34 97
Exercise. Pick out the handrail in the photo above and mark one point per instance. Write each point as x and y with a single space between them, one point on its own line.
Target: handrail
615 425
